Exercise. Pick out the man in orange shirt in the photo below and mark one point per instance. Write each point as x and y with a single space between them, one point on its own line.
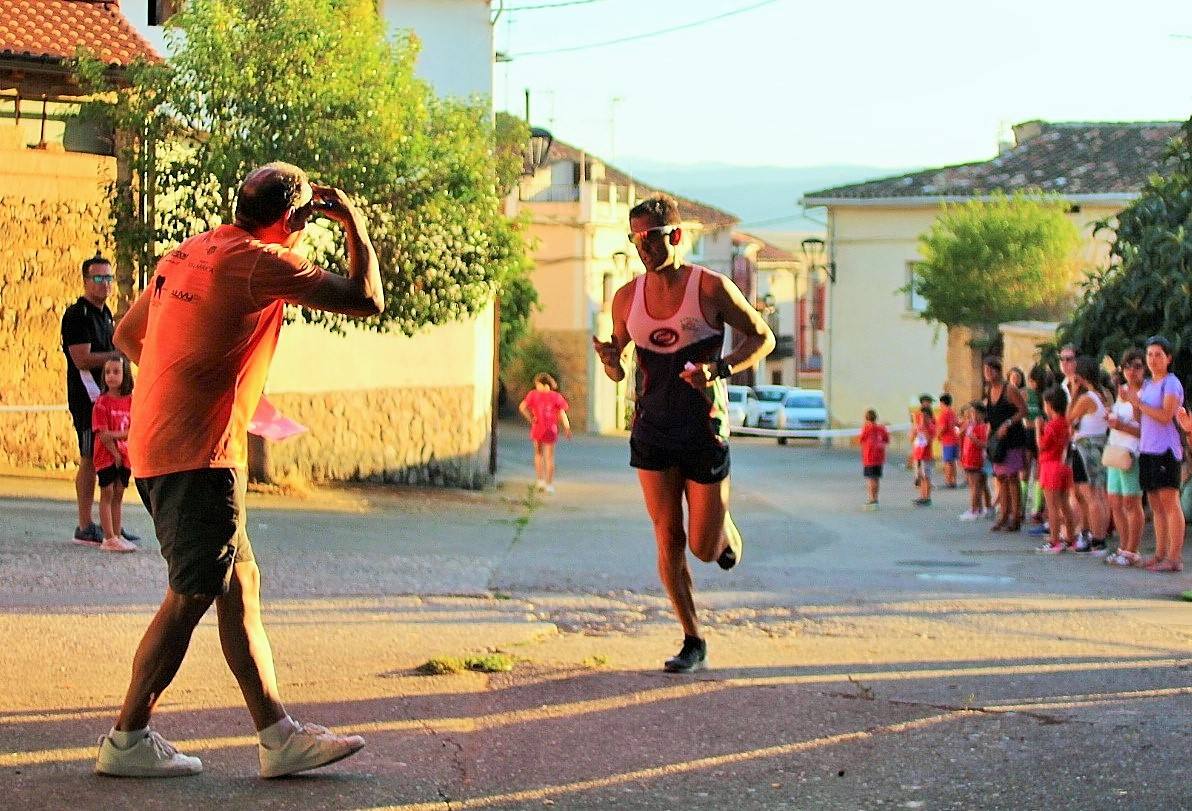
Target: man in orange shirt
203 333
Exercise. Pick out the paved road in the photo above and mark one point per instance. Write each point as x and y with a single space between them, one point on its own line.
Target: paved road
896 659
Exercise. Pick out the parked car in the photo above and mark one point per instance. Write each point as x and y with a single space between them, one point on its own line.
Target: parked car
803 410
742 407
769 399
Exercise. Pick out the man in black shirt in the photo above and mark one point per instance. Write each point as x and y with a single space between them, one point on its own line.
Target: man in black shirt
87 329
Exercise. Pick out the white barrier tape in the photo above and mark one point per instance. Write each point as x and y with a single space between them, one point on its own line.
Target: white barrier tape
822 433
31 409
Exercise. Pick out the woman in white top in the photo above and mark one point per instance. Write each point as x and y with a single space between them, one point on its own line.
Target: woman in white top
1090 421
1125 491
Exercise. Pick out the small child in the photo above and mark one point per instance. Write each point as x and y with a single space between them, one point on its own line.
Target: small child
109 422
922 435
1055 477
546 411
949 439
874 439
972 459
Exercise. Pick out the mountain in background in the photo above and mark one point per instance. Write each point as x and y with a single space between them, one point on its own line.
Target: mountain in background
766 198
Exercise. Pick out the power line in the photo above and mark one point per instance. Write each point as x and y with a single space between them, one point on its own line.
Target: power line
553 5
636 37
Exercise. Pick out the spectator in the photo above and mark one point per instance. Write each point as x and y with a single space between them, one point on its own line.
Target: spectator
1088 415
87 329
109 423
1055 476
874 439
546 410
1160 452
947 432
1038 381
922 436
1125 491
972 458
1005 411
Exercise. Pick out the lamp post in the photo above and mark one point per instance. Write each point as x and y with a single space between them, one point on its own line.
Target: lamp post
815 256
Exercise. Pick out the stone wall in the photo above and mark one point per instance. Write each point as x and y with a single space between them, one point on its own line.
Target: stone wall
964 366
1021 340
42 246
571 349
405 436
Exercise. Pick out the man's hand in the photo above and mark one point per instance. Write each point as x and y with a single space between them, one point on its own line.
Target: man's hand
336 206
609 351
699 377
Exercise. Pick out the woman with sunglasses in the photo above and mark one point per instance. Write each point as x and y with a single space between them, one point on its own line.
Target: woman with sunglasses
675 315
1125 491
1160 453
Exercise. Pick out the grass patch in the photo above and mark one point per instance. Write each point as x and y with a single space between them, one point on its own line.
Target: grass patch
596 661
485 663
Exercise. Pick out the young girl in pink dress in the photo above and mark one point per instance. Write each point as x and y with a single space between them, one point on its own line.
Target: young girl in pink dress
1055 476
546 410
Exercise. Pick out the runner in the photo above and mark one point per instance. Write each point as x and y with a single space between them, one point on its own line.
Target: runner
679 440
203 333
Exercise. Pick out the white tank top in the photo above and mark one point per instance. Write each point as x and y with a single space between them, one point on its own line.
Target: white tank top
1124 412
686 327
1095 424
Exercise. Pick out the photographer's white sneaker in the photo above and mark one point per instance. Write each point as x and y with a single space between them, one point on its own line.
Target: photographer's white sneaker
150 756
310 747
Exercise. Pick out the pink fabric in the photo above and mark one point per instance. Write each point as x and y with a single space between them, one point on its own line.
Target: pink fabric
270 423
545 407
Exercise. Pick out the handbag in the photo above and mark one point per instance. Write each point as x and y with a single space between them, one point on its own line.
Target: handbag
1116 456
996 449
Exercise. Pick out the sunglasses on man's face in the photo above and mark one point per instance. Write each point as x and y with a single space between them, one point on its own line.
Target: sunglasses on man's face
637 236
103 279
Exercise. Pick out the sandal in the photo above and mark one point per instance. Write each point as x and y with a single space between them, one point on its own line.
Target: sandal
1166 566
1122 558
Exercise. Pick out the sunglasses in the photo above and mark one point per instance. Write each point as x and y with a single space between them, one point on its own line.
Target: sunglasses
103 279
665 230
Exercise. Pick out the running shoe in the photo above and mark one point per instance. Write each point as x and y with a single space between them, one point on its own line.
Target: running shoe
1083 544
969 515
1098 547
91 536
869 506
1053 548
117 544
151 756
549 489
692 656
922 502
309 747
1038 529
732 553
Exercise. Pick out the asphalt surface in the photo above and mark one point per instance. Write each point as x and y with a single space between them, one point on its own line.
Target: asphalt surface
890 659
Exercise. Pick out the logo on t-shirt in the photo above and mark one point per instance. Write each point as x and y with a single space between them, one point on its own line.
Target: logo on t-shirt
664 336
158 285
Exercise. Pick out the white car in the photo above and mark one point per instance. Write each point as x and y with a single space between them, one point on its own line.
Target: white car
742 407
803 410
769 414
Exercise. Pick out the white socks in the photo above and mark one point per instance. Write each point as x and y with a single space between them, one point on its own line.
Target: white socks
125 740
276 735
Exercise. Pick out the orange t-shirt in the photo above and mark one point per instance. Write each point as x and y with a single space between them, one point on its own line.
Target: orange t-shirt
215 313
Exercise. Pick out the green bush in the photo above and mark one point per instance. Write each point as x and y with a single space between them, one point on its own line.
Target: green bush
531 356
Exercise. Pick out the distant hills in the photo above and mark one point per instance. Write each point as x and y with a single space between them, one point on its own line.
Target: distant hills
764 197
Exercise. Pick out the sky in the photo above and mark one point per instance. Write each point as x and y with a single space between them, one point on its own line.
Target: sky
797 83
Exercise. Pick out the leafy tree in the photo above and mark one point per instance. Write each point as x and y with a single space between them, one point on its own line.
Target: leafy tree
1146 288
317 83
987 262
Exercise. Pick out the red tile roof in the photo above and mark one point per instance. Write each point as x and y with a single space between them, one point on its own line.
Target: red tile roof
53 30
692 210
1069 158
768 252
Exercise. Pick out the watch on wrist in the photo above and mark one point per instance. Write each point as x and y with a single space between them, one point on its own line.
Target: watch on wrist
723 369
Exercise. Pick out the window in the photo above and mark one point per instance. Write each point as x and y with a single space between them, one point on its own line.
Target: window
776 377
915 303
697 244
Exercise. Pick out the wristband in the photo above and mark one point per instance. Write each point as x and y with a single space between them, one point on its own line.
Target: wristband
723 369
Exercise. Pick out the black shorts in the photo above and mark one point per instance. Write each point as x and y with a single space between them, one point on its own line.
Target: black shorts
86 442
707 464
1079 474
871 471
110 474
199 519
1158 470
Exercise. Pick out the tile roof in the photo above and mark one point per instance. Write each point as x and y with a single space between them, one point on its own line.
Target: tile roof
768 252
52 30
1071 158
692 210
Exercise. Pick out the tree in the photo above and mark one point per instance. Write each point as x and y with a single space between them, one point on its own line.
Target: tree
317 83
987 262
1146 288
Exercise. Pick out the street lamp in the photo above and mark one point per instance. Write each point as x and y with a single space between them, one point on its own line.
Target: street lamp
536 150
813 250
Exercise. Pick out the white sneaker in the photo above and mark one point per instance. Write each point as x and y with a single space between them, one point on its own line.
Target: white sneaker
117 544
969 515
151 756
310 747
549 489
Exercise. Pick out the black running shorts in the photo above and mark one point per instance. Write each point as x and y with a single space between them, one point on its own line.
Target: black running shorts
706 464
199 519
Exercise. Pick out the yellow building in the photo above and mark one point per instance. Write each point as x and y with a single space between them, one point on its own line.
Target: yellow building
579 216
879 351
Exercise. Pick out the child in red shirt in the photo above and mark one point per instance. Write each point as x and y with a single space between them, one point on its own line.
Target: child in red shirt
546 410
922 435
1055 476
874 439
110 417
946 430
975 435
